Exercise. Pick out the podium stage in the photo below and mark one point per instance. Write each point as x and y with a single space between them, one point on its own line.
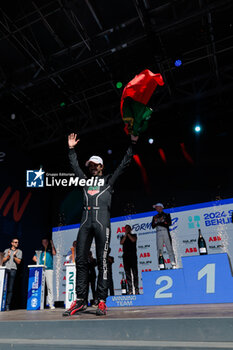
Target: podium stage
206 326
187 308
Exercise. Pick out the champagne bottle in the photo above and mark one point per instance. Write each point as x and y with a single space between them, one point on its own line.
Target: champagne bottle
161 262
123 286
201 244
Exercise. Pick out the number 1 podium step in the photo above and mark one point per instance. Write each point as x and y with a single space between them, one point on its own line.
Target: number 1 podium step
202 280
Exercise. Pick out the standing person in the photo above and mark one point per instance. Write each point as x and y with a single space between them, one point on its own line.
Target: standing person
110 278
12 258
95 222
130 261
162 221
46 258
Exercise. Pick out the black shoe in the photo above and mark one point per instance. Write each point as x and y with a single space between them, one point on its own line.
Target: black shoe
101 310
78 305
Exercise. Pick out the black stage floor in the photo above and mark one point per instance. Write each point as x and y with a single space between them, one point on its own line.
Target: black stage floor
206 326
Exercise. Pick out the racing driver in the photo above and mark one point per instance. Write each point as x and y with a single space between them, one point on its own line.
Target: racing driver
95 222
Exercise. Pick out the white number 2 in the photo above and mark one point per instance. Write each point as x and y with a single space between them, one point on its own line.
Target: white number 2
159 293
209 271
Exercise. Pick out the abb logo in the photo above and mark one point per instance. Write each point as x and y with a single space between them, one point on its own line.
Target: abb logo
144 255
215 239
146 270
121 230
14 202
121 265
191 250
120 250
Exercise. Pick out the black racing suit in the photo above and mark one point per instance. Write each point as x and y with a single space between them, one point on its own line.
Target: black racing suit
95 222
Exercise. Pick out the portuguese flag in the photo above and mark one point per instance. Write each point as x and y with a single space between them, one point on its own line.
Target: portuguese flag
134 99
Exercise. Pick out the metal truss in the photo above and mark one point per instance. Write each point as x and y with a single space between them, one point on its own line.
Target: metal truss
47 122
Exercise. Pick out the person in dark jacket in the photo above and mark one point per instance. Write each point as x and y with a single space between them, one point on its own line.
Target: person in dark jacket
161 222
130 260
95 222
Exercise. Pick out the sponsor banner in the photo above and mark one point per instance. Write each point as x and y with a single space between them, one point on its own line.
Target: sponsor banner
213 218
36 286
3 288
70 284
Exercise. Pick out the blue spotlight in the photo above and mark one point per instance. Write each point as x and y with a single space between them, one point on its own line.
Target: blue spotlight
197 128
178 63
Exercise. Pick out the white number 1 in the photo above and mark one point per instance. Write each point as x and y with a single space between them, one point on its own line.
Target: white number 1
209 271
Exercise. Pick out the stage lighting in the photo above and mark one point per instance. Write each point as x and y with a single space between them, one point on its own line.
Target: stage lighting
119 85
151 141
109 151
62 104
178 63
197 128
13 116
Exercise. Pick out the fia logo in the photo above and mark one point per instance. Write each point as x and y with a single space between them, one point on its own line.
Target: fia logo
35 178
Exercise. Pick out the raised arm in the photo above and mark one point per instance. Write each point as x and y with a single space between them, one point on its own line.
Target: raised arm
72 142
125 161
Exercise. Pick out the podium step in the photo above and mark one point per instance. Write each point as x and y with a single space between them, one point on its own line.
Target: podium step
108 334
24 344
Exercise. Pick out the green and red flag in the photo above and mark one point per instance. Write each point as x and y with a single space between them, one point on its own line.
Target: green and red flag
134 99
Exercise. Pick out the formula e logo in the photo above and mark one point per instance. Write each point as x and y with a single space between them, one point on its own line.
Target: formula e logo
35 178
174 222
34 302
92 190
